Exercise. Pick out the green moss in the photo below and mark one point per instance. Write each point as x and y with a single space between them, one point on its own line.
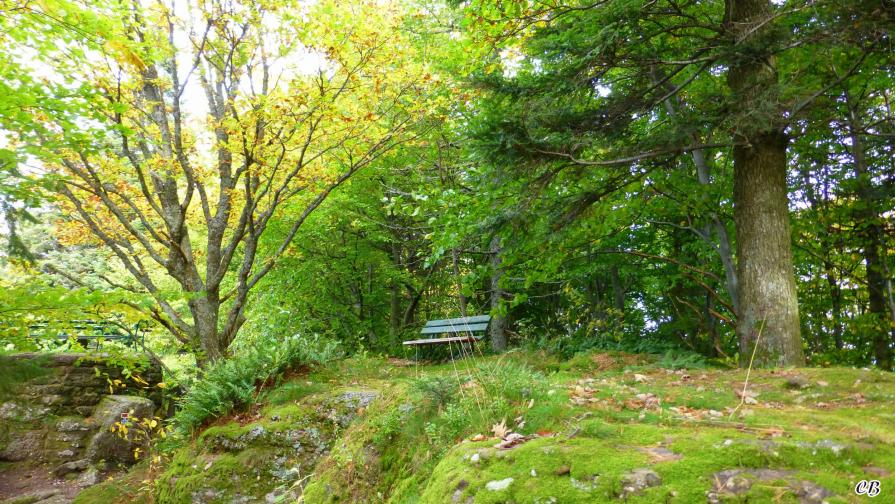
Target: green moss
408 447
15 371
216 477
128 489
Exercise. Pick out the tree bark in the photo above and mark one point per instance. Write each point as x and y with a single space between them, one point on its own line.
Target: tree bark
870 233
768 322
498 320
461 298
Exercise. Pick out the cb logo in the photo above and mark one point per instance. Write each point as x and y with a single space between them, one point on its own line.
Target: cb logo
870 488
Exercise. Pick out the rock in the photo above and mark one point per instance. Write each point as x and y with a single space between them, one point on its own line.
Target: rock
475 458
23 413
358 399
636 481
255 433
70 467
276 495
877 471
110 446
41 496
587 485
206 495
810 492
458 492
563 470
660 454
833 446
25 446
9 410
89 478
738 482
345 408
498 485
71 425
52 400
796 382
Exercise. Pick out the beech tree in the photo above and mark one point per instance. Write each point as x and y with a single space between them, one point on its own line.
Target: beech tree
211 120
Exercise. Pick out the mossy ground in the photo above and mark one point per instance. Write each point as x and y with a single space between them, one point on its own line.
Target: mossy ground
587 423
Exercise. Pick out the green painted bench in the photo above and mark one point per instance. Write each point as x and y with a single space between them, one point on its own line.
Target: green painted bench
455 330
86 331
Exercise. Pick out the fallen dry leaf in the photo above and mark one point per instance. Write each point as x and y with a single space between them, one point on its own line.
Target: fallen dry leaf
500 430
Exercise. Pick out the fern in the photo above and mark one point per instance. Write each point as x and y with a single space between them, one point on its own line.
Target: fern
232 384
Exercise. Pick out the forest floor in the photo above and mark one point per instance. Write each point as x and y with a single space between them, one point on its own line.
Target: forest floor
528 428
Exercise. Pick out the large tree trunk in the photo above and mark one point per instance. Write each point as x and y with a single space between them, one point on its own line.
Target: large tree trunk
768 319
769 310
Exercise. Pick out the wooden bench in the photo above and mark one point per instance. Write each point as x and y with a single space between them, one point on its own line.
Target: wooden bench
455 330
85 331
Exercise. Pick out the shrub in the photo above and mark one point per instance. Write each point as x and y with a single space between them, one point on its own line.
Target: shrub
235 382
472 400
436 391
682 360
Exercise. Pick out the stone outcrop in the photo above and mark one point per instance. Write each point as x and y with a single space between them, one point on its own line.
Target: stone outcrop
59 413
110 446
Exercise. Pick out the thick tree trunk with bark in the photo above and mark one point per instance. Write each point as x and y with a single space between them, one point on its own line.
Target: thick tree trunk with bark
769 310
768 318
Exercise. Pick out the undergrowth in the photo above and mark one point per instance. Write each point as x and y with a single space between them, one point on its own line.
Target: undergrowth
234 383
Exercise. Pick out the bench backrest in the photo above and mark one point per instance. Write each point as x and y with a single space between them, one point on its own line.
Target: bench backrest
475 324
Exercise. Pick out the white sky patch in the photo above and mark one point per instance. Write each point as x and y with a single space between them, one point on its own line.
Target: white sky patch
511 60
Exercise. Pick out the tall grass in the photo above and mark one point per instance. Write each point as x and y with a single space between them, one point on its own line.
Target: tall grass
234 383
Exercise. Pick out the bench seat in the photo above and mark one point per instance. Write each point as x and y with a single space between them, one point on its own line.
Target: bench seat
456 330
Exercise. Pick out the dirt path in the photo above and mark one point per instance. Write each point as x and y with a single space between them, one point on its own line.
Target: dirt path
37 482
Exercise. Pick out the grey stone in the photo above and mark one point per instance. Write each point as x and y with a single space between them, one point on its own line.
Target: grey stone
111 446
51 400
634 482
24 413
588 485
70 467
24 446
498 485
738 482
9 410
30 497
358 399
89 478
71 425
877 471
796 383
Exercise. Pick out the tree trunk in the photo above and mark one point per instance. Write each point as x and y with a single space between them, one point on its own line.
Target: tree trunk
618 291
870 232
205 319
498 320
769 310
768 322
455 262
